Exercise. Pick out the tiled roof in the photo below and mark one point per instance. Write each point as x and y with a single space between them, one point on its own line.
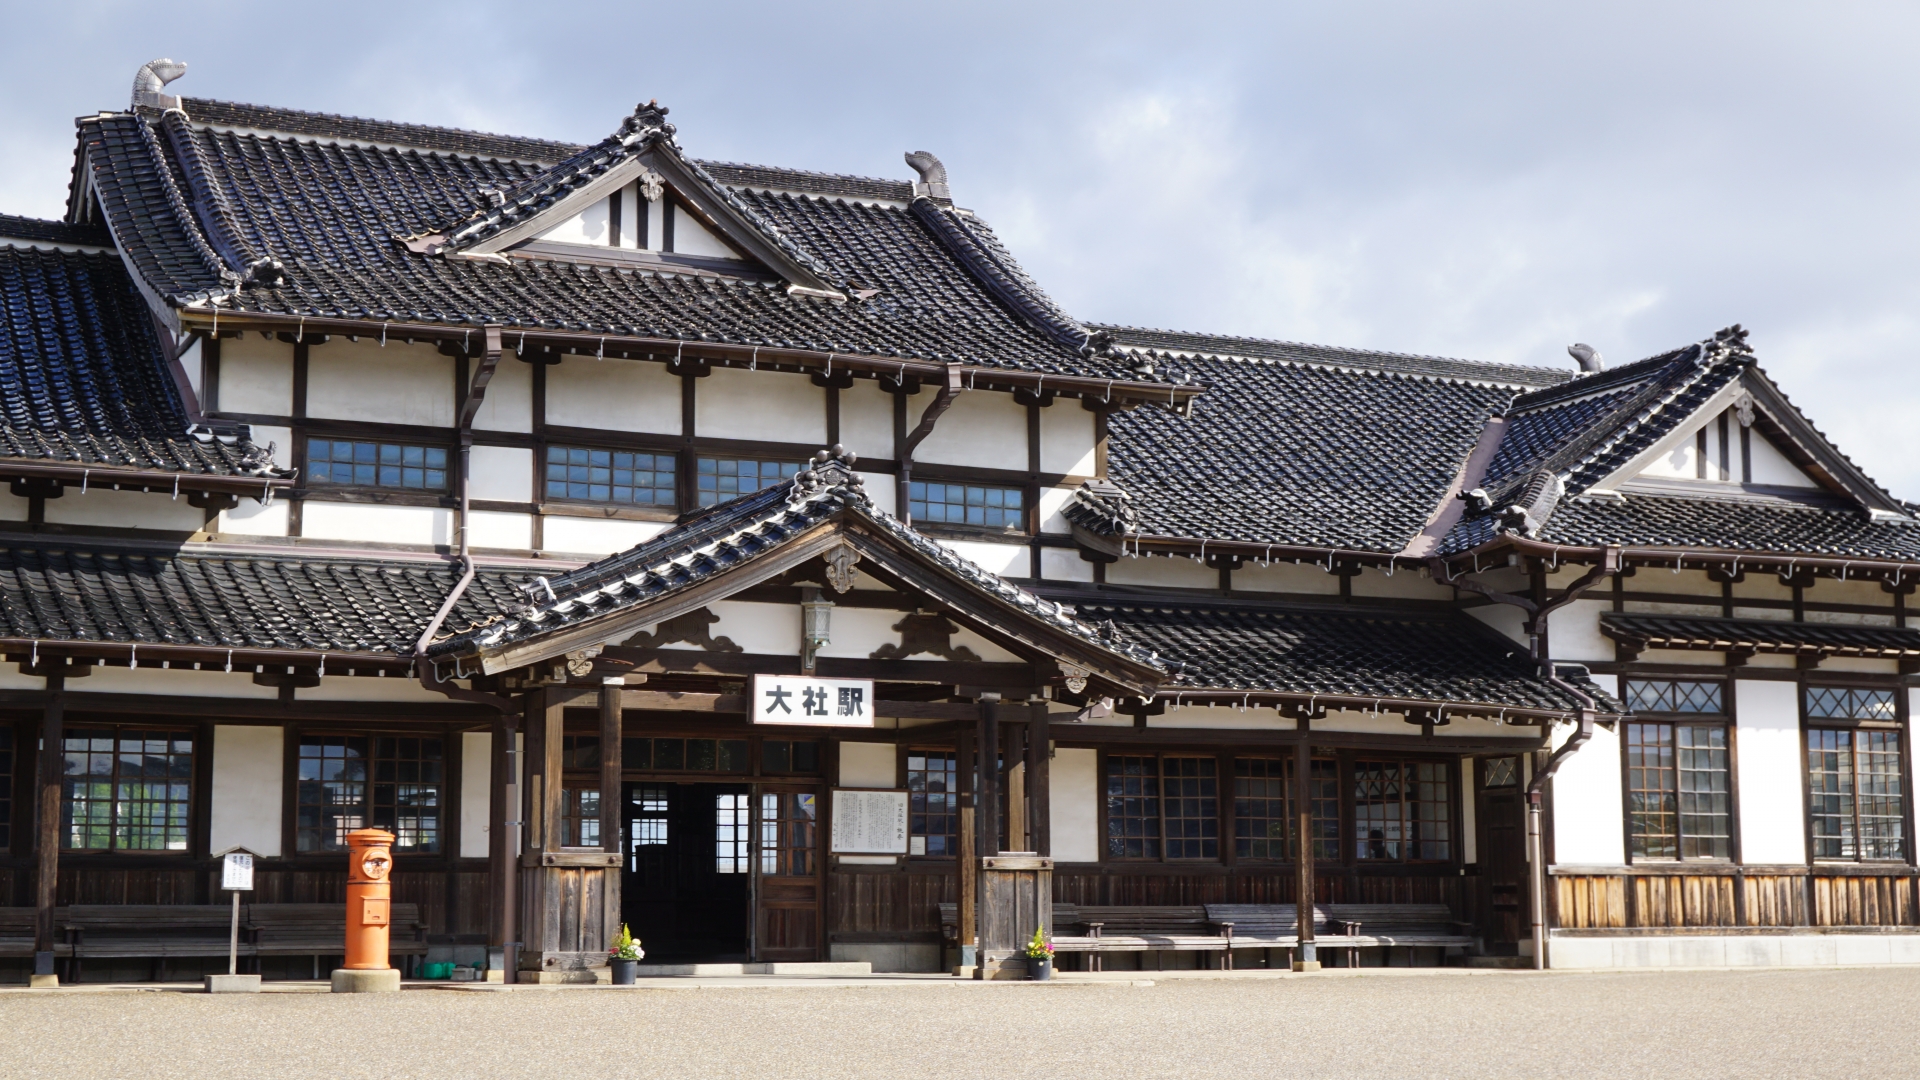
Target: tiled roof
35 230
327 126
71 592
193 203
1760 635
1355 456
1705 524
732 535
1444 658
82 379
1178 343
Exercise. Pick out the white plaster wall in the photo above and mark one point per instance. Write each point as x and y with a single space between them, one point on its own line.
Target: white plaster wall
256 376
981 429
1178 572
1364 720
1281 577
768 406
248 765
508 405
1469 834
498 529
1763 587
1860 663
251 518
1052 501
1851 591
1219 716
150 678
1007 560
397 384
596 536
1503 617
504 473
476 795
1075 805
882 490
390 688
194 364
857 632
1767 719
125 510
866 420
1573 632
1849 618
690 237
867 765
1587 821
381 524
589 226
773 629
1064 564
985 649
13 507
1770 466
1404 583
1066 440
614 395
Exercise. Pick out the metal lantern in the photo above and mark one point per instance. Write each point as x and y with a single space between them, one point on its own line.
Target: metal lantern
816 625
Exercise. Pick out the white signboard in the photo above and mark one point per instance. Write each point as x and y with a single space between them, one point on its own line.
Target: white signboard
869 822
794 699
236 872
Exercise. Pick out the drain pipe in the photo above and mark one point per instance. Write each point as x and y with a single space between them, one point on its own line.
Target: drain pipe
941 401
476 393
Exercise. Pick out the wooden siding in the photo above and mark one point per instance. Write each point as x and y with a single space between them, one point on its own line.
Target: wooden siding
1728 898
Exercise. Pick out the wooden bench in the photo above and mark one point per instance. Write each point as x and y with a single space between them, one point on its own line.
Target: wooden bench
318 930
156 932
1121 929
1342 926
16 931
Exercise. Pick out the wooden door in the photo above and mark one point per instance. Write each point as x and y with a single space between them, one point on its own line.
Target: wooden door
788 879
1503 856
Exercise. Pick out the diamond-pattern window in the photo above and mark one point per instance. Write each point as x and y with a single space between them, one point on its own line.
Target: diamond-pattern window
1675 696
1848 703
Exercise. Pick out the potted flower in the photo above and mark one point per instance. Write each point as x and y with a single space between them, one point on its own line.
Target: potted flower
625 957
1039 956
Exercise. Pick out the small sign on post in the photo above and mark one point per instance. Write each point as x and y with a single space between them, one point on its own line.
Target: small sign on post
236 877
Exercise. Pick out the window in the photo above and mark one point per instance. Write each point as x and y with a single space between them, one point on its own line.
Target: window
732 831
933 802
1190 795
966 504
649 829
1854 774
790 756
622 477
1133 807
580 752
349 782
720 479
126 789
1402 810
682 755
1162 808
1674 696
1679 803
1501 772
372 464
787 823
1262 808
579 817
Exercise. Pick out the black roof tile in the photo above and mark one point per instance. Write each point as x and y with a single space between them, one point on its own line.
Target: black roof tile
1760 635
35 230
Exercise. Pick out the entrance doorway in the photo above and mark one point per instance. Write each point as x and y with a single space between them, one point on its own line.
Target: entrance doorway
1503 861
686 889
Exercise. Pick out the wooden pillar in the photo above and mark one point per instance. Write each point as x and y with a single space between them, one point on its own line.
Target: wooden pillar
987 806
1039 762
1307 959
553 756
503 847
611 802
47 837
966 864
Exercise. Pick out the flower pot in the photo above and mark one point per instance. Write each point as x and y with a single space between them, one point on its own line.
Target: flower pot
1040 970
624 971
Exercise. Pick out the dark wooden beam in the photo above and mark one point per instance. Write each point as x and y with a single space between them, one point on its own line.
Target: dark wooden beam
264 710
939 672
47 835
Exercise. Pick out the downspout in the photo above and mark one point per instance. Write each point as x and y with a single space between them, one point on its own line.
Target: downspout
476 393
1536 627
936 407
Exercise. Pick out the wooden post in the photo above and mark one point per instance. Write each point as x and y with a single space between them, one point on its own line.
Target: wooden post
1039 762
553 776
1307 958
47 837
988 804
503 848
610 796
965 863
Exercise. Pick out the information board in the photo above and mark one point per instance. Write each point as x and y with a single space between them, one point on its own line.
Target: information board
236 872
869 822
796 699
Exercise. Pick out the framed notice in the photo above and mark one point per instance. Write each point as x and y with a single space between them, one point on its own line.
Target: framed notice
795 699
236 872
869 822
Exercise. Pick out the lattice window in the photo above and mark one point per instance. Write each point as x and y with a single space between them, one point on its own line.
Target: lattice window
1652 803
966 504
719 479
649 828
1847 703
1855 794
789 756
1402 810
1260 828
933 802
126 789
1500 772
1674 696
732 833
618 477
1133 807
377 464
788 822
349 782
579 817
683 755
1190 798
1679 792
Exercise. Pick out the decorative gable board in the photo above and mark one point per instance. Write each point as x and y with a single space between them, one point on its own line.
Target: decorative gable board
627 221
1719 450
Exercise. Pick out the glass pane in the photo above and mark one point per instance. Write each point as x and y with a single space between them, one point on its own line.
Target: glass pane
1133 807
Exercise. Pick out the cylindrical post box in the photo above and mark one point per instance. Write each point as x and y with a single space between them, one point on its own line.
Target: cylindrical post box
369 898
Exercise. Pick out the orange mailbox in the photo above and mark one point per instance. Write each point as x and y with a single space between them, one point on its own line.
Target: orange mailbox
369 898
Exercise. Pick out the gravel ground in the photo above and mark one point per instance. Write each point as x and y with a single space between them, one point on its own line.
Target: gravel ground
1802 1023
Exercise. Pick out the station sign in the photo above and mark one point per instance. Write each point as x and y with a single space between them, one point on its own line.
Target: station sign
797 699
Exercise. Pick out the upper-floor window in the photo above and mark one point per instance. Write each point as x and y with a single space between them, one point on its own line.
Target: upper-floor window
1678 771
620 477
718 479
1855 789
931 502
377 464
349 782
126 789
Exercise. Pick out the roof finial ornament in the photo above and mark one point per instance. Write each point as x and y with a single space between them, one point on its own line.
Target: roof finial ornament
646 122
151 80
1587 357
830 469
933 177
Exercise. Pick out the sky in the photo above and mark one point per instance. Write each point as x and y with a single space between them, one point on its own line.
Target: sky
1490 181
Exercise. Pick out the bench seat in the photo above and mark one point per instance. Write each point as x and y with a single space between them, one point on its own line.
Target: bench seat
321 930
150 930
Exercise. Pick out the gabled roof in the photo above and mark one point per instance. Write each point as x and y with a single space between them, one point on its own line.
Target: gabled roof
82 377
754 537
1639 632
299 215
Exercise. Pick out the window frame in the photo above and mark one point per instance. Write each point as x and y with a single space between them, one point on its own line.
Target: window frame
545 463
311 481
1900 726
1724 720
447 799
905 770
197 787
1349 840
1022 527
1290 807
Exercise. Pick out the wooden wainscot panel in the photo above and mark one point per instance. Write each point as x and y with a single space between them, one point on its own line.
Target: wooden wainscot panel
130 885
1590 901
891 902
1862 900
1683 900
1776 899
